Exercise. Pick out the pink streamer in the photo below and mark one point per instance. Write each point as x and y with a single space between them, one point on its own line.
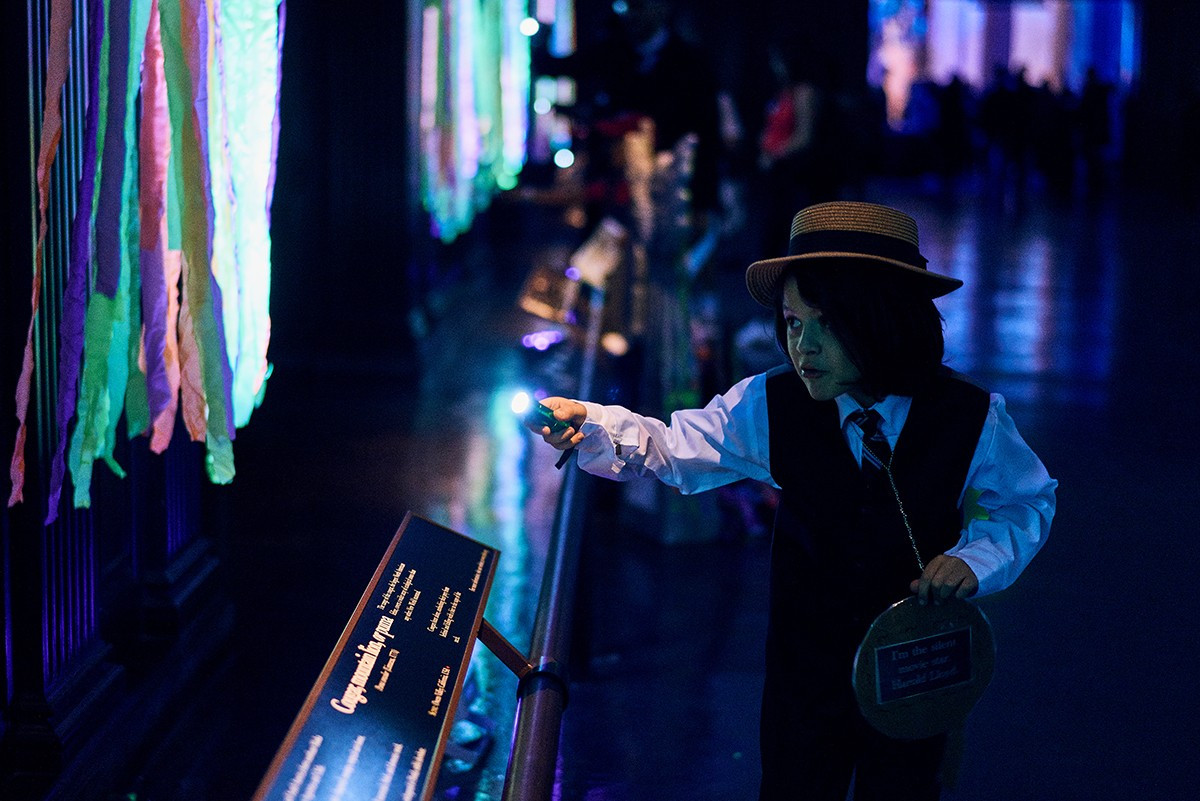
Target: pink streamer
57 66
159 267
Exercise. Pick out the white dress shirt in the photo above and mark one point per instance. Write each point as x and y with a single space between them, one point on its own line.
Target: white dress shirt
1008 497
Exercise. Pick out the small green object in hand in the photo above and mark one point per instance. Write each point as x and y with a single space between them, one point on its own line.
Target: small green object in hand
541 415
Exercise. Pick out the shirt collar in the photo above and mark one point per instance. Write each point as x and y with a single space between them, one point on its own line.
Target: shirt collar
893 411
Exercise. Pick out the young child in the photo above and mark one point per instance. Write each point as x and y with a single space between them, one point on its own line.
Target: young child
934 472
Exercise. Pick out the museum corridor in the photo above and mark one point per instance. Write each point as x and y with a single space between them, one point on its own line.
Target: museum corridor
1083 316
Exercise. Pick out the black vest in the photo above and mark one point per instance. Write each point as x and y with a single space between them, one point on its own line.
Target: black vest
841 554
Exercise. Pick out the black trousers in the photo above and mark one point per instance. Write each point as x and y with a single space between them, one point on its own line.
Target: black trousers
813 739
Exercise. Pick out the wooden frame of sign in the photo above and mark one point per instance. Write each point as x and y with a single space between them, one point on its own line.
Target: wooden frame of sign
920 669
376 723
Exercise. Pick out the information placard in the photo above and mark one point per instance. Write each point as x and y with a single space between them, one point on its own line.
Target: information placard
375 723
919 666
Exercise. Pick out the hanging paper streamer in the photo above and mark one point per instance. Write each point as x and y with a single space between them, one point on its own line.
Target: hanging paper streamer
185 35
242 168
58 55
474 92
110 315
160 265
514 94
165 308
74 304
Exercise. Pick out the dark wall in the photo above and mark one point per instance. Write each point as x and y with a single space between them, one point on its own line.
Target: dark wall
340 229
16 212
15 258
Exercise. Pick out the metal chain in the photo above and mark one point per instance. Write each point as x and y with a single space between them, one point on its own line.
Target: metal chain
887 468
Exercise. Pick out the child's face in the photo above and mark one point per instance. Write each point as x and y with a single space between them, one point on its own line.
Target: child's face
816 353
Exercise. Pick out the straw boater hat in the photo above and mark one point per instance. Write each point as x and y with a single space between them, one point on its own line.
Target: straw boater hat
850 230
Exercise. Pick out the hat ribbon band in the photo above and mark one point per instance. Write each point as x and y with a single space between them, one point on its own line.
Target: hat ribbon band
864 242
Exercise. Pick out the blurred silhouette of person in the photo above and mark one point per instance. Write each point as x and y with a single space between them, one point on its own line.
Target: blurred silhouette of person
1095 127
1019 132
1005 112
1054 137
793 156
953 134
994 109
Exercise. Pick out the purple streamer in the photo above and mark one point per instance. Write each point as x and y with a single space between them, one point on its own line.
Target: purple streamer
74 309
154 316
108 231
275 120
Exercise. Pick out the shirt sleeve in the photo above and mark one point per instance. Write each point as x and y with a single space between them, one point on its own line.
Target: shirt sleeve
1008 502
698 450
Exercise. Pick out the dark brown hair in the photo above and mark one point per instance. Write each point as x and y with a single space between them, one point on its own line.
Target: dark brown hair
890 329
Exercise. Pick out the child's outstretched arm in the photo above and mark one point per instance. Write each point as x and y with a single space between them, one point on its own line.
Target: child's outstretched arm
698 449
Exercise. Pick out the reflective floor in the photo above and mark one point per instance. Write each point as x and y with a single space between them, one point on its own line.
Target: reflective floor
1082 314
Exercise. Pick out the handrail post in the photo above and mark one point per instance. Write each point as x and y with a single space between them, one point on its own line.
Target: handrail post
542 692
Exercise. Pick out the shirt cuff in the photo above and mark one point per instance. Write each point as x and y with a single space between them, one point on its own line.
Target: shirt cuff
989 567
599 453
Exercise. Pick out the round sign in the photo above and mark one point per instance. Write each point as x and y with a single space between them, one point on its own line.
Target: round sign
920 669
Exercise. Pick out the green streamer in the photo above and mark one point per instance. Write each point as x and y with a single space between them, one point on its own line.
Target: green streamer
110 321
90 405
123 353
183 56
241 144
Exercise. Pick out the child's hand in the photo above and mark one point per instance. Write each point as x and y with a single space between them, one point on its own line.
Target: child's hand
945 577
571 412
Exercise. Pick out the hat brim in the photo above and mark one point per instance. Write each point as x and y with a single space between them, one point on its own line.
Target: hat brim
762 277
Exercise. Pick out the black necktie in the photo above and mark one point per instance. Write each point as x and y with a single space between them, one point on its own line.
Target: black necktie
876 453
877 460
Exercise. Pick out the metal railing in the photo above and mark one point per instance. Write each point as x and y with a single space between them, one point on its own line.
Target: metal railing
543 689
